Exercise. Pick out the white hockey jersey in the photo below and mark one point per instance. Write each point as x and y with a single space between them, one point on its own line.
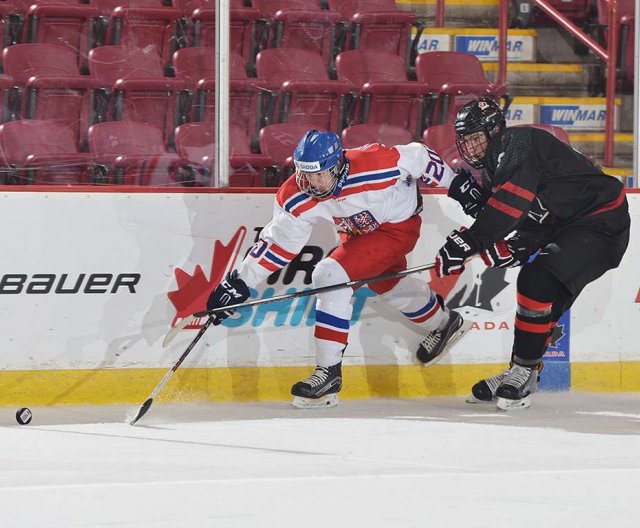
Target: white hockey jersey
380 187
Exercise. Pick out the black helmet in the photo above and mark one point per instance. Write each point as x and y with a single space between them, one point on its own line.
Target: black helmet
482 115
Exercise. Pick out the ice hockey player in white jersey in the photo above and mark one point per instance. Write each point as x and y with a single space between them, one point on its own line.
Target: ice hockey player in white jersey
371 195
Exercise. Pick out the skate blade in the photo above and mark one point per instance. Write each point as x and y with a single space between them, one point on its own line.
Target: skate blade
505 404
331 400
472 399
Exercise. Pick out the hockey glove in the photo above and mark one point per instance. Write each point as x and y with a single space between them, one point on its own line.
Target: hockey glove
458 248
506 253
232 290
468 193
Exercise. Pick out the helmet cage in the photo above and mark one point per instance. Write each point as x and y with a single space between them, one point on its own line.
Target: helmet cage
484 116
302 179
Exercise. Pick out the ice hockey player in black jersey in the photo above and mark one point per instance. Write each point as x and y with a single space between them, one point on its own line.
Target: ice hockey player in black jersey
540 194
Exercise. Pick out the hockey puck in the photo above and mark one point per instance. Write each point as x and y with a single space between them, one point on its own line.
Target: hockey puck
23 416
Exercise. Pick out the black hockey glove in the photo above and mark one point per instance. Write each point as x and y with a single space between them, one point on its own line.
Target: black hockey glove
506 253
458 248
232 290
468 193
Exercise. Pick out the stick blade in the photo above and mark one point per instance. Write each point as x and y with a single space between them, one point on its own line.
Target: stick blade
143 410
173 332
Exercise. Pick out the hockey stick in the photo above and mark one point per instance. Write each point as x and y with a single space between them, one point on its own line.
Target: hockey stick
198 315
147 404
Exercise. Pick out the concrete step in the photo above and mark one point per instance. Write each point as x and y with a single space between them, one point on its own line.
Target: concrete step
544 79
458 13
593 143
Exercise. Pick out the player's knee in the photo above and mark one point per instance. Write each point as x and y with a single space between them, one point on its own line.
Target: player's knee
327 273
536 282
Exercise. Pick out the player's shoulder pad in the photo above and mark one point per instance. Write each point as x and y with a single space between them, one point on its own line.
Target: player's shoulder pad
288 189
371 157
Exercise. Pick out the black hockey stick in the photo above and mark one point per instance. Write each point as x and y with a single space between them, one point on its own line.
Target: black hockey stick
198 315
147 404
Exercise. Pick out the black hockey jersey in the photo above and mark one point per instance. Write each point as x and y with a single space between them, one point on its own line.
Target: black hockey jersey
536 178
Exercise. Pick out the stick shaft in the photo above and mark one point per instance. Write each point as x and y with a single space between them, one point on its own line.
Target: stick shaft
315 291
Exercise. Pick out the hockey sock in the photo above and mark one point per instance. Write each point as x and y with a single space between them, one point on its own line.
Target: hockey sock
417 302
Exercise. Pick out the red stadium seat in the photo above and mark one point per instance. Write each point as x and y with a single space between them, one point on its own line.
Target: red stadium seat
527 14
74 25
193 64
246 28
279 141
48 82
196 143
305 92
389 135
136 88
302 24
454 78
378 25
133 153
146 28
42 152
386 95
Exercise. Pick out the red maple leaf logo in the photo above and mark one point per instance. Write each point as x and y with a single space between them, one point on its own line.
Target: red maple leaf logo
194 289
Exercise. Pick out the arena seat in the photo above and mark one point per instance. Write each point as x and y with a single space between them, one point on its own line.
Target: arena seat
454 78
305 94
302 24
193 64
196 143
386 96
146 28
74 25
527 14
133 153
247 29
48 86
42 152
134 88
389 135
278 141
378 25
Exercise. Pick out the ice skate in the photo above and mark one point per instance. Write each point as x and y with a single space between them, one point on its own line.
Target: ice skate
516 388
318 390
438 342
485 390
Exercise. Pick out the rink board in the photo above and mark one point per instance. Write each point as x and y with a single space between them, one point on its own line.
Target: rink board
91 281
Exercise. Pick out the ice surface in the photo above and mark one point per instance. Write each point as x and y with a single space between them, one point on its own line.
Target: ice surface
570 460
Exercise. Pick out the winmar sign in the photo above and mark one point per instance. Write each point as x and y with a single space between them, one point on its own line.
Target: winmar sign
44 283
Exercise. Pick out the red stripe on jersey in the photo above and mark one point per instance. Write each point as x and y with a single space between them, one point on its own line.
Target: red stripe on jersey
534 328
504 208
374 157
287 190
268 265
368 187
281 252
331 335
611 205
531 304
428 315
518 191
299 209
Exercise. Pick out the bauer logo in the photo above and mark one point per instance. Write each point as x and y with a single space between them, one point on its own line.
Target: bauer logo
68 283
583 117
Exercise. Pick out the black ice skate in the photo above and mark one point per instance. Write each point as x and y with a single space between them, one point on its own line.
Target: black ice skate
320 389
438 342
485 390
516 388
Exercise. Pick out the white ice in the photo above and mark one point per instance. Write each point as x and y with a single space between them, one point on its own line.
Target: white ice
570 461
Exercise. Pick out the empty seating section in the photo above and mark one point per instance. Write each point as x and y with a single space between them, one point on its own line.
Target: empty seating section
305 94
386 96
122 92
